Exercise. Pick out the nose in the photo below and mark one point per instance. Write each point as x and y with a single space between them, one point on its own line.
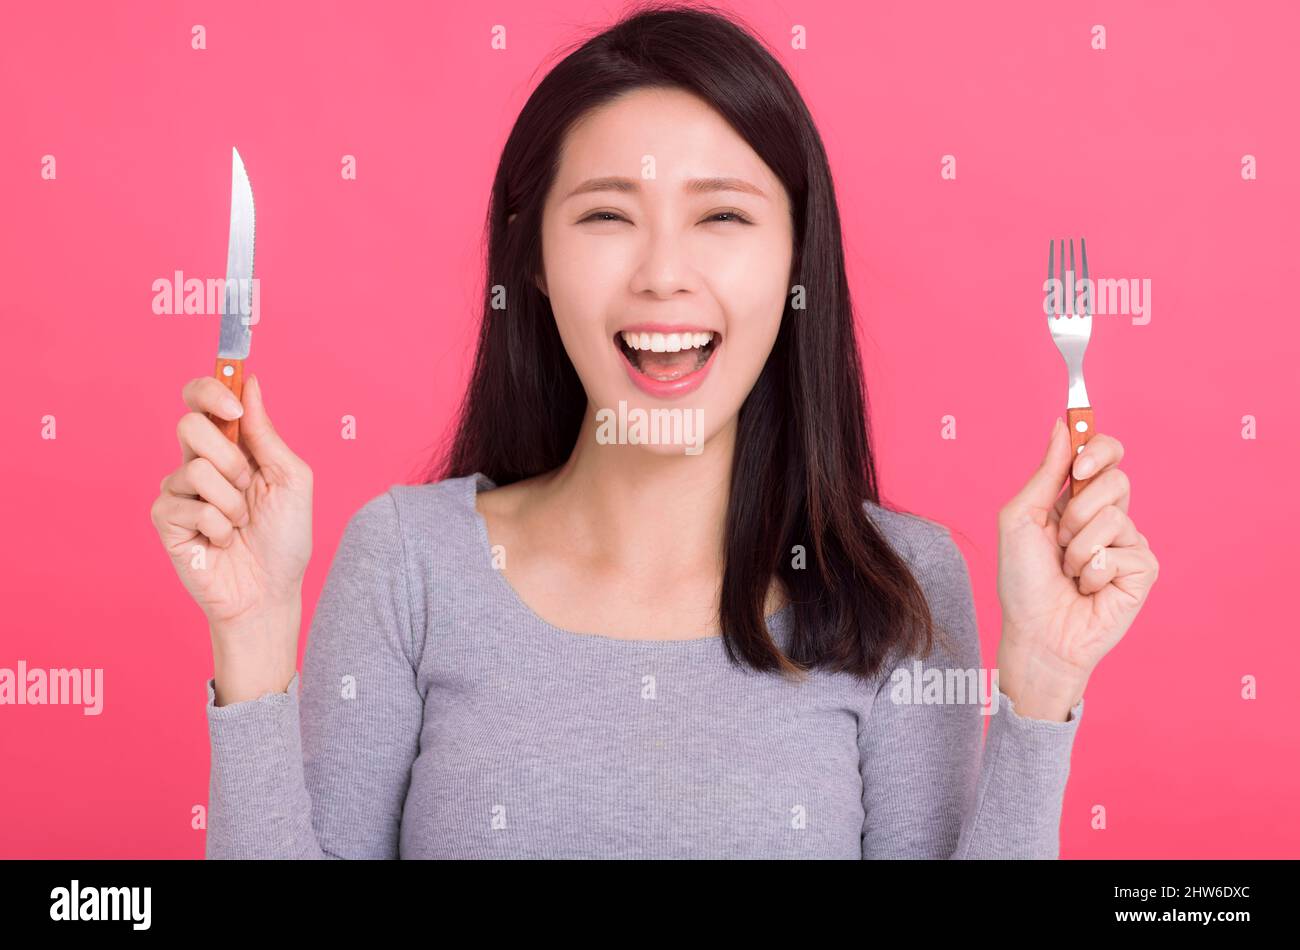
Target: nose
664 267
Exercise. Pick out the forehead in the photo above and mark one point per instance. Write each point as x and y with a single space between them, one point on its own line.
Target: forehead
683 134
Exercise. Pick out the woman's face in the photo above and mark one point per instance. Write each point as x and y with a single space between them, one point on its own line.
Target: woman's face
667 245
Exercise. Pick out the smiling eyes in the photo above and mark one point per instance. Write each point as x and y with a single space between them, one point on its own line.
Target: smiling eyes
734 216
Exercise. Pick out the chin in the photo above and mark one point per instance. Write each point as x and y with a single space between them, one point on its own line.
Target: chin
626 417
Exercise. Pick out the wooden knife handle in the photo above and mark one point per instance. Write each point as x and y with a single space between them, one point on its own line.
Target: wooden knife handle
231 374
1082 427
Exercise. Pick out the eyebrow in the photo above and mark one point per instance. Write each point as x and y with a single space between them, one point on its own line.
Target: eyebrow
693 186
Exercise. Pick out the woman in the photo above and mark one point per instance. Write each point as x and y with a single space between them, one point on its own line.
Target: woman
579 639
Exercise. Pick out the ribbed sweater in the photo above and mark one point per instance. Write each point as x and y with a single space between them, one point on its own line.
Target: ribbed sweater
437 716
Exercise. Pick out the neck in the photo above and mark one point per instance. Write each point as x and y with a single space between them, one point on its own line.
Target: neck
638 510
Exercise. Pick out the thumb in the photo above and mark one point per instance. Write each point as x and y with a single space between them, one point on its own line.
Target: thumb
1045 484
265 444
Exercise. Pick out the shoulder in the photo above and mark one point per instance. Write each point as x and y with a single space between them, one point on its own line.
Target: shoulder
401 505
411 522
417 541
442 506
921 542
932 555
941 572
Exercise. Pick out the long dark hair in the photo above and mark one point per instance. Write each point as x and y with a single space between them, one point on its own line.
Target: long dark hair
803 465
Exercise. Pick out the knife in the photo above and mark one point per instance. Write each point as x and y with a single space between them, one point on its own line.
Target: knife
236 333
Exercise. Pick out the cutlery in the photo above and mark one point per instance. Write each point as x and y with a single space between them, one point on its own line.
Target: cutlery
1071 330
236 332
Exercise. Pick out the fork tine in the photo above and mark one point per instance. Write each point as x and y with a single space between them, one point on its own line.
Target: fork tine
1083 249
1072 310
1051 268
1065 308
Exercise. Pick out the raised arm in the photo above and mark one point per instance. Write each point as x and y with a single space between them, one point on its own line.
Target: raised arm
322 771
927 790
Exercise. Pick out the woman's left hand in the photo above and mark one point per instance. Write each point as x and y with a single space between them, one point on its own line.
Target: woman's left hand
1073 572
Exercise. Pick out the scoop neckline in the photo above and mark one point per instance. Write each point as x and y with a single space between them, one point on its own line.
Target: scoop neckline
478 480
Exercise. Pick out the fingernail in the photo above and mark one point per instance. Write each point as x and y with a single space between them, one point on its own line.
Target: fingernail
231 408
1063 536
1084 466
244 480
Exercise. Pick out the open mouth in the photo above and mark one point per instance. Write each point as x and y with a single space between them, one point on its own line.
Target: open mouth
667 357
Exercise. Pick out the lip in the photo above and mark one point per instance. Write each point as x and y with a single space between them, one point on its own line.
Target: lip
670 389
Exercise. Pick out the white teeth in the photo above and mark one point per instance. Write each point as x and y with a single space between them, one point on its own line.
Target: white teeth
666 342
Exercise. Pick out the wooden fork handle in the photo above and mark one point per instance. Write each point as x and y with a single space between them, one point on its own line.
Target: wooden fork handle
231 374
1081 426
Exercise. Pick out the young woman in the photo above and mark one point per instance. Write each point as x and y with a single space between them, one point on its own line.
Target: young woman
580 640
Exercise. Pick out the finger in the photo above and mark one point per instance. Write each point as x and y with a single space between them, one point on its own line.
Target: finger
1101 452
1112 564
180 519
200 438
1111 487
209 394
1135 583
1039 493
1110 528
199 478
269 450
1058 509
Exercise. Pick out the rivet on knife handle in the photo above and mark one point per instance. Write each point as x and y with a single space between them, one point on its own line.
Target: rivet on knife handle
1081 426
231 374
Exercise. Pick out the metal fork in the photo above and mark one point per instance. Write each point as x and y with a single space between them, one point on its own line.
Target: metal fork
1070 331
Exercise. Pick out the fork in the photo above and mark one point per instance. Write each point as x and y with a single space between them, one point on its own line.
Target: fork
1070 331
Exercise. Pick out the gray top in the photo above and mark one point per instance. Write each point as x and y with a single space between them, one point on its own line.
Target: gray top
439 717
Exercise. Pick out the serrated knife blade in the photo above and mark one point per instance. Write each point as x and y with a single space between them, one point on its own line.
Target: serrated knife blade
236 316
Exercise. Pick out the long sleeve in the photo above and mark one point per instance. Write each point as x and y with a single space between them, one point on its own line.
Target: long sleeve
322 770
927 790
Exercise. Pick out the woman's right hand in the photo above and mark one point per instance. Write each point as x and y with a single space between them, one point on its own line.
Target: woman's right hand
236 522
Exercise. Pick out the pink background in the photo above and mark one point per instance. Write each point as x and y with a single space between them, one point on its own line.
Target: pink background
370 293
